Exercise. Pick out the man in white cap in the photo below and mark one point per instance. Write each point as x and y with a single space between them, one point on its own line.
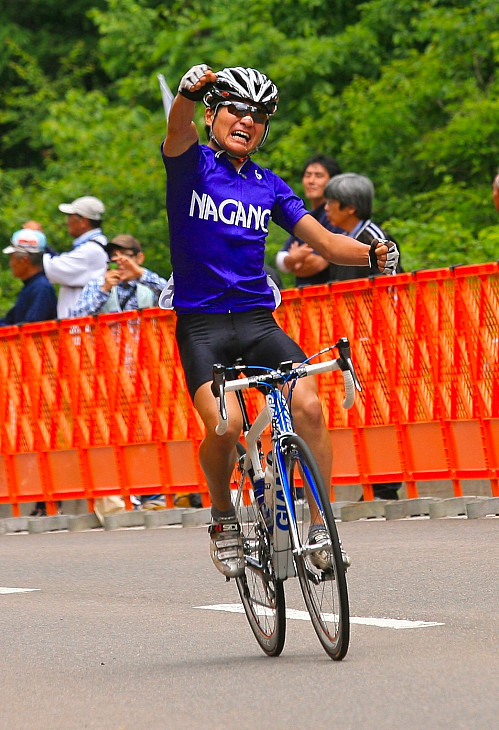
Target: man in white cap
88 257
37 300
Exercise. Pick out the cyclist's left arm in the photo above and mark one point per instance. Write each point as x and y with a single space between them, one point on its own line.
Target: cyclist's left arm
342 249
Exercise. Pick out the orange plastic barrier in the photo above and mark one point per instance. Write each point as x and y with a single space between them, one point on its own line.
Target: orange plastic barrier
98 405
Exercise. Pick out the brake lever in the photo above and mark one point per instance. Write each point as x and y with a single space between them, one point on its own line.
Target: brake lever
218 390
345 360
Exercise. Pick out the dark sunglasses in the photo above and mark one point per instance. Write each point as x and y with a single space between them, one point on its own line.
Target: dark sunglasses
238 109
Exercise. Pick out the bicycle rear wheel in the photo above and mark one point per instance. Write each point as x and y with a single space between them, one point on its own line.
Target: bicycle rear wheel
262 595
325 591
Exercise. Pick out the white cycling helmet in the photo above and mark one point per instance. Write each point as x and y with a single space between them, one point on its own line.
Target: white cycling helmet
247 85
243 84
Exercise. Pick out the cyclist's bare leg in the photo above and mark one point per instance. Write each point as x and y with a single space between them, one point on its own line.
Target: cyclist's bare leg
309 423
217 454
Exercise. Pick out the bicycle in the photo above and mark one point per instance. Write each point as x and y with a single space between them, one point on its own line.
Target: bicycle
275 519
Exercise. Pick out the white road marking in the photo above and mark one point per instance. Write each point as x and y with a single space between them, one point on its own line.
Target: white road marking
291 613
17 590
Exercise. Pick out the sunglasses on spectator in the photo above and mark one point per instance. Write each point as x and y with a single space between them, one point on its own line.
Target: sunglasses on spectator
238 109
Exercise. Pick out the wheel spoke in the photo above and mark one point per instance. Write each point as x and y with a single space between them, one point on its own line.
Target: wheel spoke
261 593
324 589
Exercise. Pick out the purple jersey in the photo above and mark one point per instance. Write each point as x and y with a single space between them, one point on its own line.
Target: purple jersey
218 220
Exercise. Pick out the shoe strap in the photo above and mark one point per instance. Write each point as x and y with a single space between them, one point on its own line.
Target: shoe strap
228 527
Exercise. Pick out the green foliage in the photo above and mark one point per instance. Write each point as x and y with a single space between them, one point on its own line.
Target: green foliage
47 48
405 92
9 288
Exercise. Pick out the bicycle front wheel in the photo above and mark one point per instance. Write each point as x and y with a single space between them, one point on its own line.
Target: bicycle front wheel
262 595
320 566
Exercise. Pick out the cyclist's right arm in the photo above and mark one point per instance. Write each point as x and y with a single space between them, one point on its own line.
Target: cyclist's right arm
182 132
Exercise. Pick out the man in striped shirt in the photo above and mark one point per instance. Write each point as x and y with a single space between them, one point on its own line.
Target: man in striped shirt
349 202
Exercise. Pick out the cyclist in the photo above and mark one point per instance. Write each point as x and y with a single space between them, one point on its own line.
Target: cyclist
219 203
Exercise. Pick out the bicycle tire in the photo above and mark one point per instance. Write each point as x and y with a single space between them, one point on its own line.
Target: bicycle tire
325 592
262 595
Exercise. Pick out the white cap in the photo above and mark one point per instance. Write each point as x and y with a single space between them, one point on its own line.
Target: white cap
88 207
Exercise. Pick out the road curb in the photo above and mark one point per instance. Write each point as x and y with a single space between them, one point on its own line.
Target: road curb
452 507
337 508
363 510
50 523
472 507
89 521
482 508
408 508
15 524
163 517
192 517
130 518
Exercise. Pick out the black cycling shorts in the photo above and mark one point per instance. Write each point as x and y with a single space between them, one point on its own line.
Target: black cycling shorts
255 336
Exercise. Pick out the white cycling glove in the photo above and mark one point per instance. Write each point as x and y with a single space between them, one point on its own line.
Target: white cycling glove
392 257
190 79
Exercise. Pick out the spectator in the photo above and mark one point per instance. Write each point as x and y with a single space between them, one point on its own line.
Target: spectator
495 191
88 257
37 300
128 286
295 256
349 201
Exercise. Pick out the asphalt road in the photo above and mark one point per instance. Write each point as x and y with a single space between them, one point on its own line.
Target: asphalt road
113 637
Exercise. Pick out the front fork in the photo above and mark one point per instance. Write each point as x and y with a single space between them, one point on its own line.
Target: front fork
286 539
